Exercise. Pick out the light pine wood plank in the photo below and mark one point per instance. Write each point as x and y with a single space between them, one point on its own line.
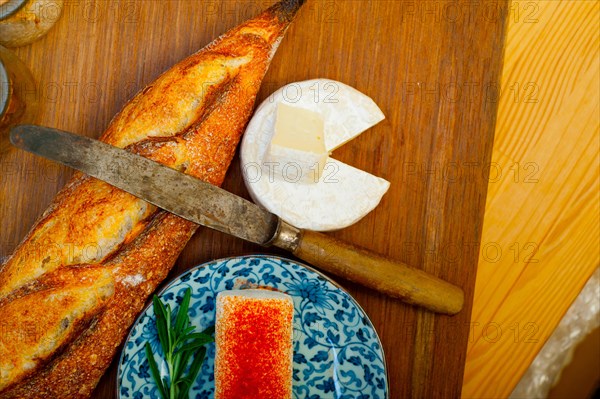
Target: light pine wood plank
540 239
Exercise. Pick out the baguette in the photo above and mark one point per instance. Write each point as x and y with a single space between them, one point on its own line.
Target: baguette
73 287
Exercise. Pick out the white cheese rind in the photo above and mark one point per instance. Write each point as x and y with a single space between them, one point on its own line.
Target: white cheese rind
342 197
343 194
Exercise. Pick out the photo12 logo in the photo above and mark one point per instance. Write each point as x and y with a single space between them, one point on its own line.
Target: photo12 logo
290 172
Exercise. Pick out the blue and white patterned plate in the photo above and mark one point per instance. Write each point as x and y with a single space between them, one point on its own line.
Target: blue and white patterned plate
337 353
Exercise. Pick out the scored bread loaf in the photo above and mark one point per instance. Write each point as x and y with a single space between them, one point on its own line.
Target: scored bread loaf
75 284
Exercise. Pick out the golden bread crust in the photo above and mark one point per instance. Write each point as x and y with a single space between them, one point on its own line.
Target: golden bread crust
191 118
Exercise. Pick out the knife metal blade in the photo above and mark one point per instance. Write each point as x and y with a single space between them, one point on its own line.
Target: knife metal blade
213 207
169 189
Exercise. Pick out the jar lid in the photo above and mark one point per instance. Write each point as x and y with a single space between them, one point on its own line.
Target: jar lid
4 89
8 8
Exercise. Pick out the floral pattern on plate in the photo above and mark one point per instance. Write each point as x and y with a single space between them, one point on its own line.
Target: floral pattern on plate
337 353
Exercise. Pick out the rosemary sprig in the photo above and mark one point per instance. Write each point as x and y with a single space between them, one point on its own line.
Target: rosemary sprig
179 343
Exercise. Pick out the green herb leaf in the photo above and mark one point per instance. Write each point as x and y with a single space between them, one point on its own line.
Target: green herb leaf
180 368
168 317
193 373
180 344
161 324
154 371
209 330
199 335
187 330
198 342
182 313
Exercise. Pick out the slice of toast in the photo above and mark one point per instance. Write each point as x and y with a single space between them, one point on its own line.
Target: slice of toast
254 348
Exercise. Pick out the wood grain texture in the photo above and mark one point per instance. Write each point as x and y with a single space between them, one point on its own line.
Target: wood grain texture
540 235
428 66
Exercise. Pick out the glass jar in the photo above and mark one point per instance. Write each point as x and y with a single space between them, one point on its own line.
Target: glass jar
19 100
24 21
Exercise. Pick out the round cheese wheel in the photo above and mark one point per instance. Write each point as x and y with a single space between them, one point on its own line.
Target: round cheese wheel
343 194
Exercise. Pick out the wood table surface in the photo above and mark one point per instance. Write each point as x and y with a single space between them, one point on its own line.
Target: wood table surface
433 67
540 240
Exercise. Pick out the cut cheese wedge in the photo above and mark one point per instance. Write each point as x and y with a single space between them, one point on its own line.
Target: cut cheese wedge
297 150
343 194
253 337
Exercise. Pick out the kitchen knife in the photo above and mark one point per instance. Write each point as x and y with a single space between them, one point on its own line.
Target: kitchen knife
211 206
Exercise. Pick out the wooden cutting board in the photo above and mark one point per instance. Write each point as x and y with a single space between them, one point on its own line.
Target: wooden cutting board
432 67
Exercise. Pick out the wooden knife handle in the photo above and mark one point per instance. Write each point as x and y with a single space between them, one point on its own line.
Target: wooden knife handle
384 275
